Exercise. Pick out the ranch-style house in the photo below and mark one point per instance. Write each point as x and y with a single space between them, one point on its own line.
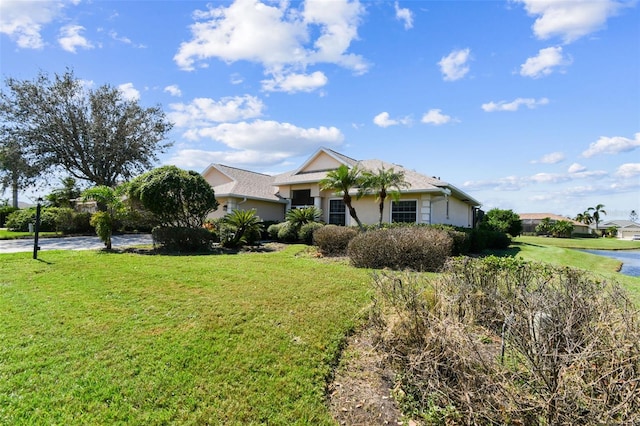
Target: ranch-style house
427 199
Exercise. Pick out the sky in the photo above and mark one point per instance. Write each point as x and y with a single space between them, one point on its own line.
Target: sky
528 105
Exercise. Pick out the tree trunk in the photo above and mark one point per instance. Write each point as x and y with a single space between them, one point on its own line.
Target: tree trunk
14 190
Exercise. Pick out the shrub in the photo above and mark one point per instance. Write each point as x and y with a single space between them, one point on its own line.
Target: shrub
5 211
81 222
273 229
333 240
287 233
240 227
416 248
503 341
103 223
182 239
483 239
305 234
20 219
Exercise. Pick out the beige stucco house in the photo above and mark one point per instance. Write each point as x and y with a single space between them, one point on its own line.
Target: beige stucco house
427 199
627 230
531 220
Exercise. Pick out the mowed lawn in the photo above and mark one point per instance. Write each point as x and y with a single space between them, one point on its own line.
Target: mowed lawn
88 337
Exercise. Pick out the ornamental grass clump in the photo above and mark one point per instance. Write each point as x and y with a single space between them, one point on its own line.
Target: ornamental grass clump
415 248
503 341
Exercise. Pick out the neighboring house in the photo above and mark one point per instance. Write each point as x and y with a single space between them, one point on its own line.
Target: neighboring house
426 200
627 230
531 220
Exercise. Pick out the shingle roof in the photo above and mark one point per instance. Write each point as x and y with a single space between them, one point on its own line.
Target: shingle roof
246 183
540 216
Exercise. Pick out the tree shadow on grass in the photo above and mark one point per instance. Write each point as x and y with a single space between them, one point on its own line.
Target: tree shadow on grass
512 251
218 250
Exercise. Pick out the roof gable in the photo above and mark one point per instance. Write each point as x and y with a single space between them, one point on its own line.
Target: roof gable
323 160
233 182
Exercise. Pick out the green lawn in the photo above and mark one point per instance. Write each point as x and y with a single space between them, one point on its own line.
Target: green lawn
10 235
565 251
101 338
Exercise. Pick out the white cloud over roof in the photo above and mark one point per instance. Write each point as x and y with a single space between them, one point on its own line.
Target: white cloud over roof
514 105
544 63
570 20
455 65
612 145
284 39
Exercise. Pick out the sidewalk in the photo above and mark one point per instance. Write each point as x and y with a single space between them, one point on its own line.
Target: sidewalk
73 243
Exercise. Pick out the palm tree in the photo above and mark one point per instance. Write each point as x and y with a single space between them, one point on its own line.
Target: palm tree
597 211
342 180
584 217
110 205
384 183
243 224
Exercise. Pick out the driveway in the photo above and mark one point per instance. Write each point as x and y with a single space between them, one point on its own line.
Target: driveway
73 243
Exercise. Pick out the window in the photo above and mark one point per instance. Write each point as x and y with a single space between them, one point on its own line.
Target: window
337 212
301 197
404 211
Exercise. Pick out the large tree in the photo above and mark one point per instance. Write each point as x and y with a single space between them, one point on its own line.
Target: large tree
95 135
384 183
342 180
16 170
174 196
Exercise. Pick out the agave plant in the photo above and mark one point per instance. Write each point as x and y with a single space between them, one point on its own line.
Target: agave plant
242 224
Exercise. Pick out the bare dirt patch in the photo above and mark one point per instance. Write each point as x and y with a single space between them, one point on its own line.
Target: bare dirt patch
360 393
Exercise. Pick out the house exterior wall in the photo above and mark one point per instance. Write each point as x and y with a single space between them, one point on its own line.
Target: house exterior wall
267 210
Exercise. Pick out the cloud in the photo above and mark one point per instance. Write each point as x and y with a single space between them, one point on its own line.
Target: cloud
173 90
454 65
435 117
383 120
549 178
405 15
203 112
197 159
292 83
543 64
129 92
612 145
628 170
269 136
23 21
514 105
576 168
509 183
570 20
552 158
284 40
126 40
70 38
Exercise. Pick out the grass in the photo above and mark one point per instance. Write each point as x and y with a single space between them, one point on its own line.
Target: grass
565 251
11 235
100 338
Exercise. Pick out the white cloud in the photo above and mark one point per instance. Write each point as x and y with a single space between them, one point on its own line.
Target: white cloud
23 21
570 19
435 117
70 38
576 168
129 92
454 66
292 83
544 63
126 40
197 159
283 39
206 111
405 15
552 158
509 183
628 170
173 90
383 120
269 136
612 145
514 105
549 178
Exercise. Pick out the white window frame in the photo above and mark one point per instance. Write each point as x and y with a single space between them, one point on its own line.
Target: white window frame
417 212
346 218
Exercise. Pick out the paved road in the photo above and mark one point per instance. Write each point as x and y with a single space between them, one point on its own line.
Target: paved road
73 243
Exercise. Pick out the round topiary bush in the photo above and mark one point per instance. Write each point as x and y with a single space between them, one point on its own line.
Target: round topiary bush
287 233
332 240
416 248
305 234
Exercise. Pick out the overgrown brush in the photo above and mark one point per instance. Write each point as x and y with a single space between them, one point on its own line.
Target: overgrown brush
416 248
502 341
333 240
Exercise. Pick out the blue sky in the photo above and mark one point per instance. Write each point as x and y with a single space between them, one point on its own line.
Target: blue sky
526 105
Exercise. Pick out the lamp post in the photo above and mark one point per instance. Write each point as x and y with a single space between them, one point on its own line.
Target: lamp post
37 229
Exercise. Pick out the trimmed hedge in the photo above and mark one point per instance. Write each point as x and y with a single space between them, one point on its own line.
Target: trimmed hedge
415 248
182 239
333 240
